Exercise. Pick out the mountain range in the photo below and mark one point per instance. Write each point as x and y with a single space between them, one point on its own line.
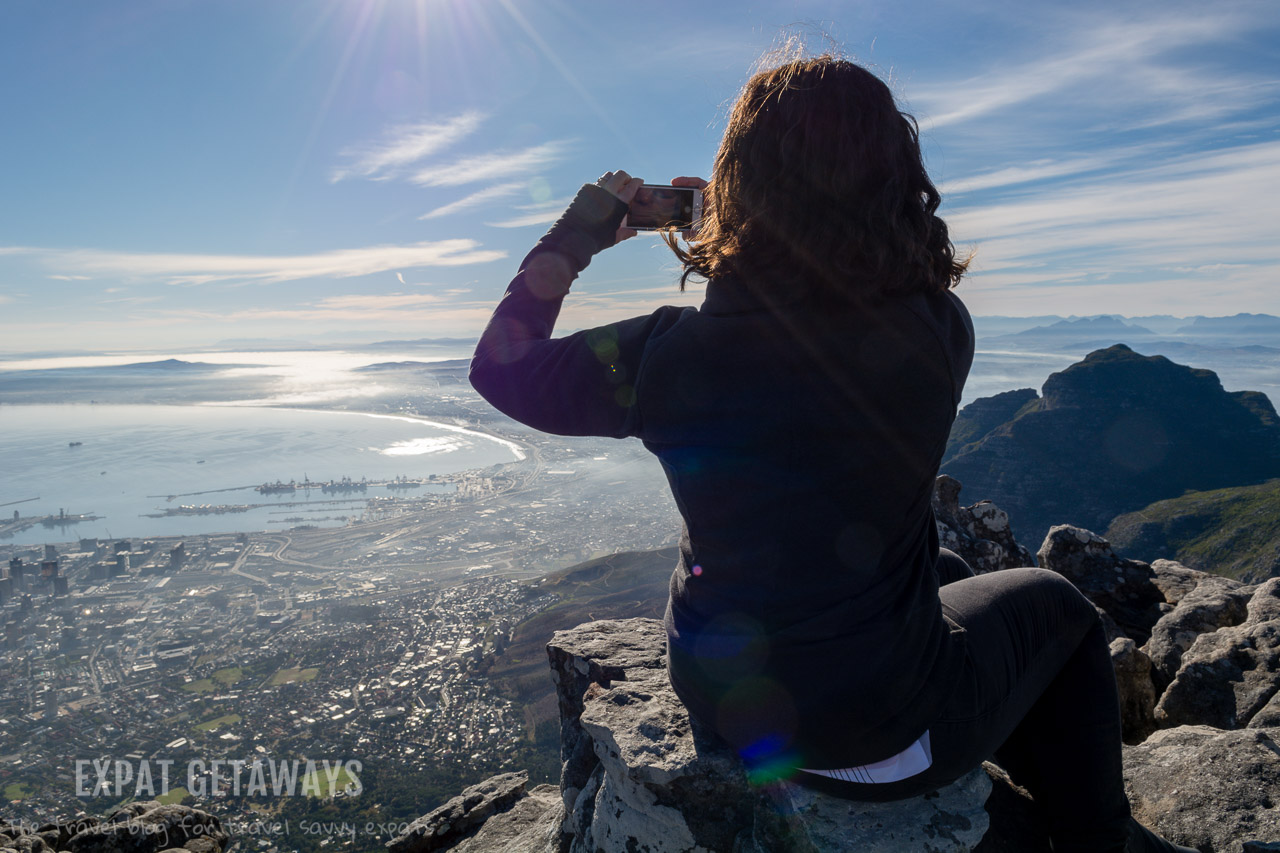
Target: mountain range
1111 434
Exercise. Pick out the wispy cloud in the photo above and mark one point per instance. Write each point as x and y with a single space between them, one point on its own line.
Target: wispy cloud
491 166
542 213
1185 226
1138 64
203 269
474 200
404 145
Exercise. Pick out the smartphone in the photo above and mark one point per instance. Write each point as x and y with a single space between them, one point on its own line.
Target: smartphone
657 207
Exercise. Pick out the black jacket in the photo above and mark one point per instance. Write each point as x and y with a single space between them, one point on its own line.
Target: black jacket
801 441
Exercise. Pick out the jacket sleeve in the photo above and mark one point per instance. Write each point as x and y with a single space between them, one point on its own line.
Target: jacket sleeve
582 384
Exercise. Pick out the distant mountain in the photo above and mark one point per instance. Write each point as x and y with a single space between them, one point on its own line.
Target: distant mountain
1240 324
1111 434
983 415
995 325
420 342
394 365
1105 327
169 365
1233 532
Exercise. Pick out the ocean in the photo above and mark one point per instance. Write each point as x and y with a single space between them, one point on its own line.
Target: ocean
126 464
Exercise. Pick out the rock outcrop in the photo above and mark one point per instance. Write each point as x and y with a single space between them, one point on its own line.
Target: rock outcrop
1230 675
458 820
1197 661
1207 788
979 533
141 827
636 767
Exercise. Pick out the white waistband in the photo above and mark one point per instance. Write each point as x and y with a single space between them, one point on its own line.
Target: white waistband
916 758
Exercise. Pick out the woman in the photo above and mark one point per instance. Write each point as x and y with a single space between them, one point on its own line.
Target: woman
800 416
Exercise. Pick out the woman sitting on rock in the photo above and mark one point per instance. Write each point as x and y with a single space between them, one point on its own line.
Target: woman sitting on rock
800 416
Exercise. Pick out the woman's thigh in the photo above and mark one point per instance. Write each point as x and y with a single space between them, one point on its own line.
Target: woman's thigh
1021 627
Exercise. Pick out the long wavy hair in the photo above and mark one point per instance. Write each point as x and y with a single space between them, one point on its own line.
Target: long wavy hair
820 183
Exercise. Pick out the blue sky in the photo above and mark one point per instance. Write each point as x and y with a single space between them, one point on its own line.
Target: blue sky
180 173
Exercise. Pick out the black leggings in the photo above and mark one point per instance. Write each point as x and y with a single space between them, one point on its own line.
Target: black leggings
1038 695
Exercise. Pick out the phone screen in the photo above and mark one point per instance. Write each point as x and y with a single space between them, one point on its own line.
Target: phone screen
656 206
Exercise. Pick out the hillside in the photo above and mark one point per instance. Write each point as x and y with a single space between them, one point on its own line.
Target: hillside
619 586
1233 532
1112 434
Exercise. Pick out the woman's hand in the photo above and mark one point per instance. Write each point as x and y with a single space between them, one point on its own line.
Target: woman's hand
698 184
625 187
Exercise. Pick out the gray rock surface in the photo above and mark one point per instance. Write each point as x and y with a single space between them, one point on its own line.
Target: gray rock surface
1137 693
461 816
530 825
659 783
148 827
1232 674
1206 788
1211 604
1126 589
980 533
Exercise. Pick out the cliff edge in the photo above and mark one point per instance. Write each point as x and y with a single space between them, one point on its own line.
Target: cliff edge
1197 660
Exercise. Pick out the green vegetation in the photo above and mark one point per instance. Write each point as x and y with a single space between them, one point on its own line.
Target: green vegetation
203 685
613 587
319 780
1233 532
18 791
217 723
228 676
291 674
175 796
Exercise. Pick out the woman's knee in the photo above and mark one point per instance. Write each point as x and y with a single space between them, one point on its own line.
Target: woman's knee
1028 602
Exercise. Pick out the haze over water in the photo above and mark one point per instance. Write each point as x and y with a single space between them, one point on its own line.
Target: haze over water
132 457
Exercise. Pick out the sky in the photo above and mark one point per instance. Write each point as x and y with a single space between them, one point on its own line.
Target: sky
182 174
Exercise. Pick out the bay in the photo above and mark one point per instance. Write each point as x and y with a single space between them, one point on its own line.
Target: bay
123 463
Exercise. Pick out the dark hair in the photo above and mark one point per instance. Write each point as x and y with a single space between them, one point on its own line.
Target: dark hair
820 178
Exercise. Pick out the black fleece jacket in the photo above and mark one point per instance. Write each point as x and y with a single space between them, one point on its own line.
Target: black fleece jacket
801 440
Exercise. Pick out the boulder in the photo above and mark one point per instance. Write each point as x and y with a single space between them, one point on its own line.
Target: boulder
1211 604
530 825
1206 788
1125 589
979 533
148 827
58 834
1137 693
1232 674
461 816
639 774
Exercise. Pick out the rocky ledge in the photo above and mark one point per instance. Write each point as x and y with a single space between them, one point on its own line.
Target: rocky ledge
1197 660
141 827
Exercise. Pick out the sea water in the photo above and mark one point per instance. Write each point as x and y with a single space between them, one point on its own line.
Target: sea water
128 463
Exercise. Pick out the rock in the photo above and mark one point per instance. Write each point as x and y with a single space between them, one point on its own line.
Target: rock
1137 693
1205 788
1230 675
203 844
980 533
530 825
1175 580
1016 826
639 774
63 831
148 827
1211 604
1125 589
462 815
